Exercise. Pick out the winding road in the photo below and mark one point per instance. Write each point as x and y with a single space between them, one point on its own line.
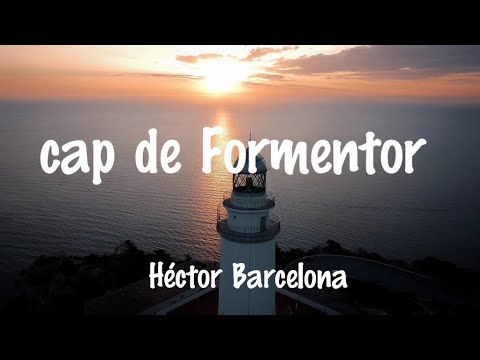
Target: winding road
391 277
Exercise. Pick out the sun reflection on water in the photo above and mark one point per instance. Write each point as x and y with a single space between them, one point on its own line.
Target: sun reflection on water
219 180
211 187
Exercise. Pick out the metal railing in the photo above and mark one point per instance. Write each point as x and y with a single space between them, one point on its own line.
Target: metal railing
264 200
247 234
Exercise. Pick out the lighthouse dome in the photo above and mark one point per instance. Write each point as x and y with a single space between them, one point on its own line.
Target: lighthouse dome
260 163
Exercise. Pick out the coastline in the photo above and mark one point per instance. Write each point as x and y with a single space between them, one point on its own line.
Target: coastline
65 284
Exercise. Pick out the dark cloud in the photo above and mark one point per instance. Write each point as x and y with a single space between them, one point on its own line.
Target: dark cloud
260 52
267 76
195 58
389 61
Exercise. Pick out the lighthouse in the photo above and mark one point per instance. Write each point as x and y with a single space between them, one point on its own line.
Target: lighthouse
247 225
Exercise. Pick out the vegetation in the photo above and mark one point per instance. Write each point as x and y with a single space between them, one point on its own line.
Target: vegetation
429 266
56 285
368 296
60 285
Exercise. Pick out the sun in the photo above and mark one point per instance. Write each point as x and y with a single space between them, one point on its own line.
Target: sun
223 76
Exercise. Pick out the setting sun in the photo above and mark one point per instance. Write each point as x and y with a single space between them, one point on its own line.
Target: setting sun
223 76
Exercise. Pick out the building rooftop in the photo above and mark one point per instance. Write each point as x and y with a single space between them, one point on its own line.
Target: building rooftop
259 163
208 305
134 298
139 299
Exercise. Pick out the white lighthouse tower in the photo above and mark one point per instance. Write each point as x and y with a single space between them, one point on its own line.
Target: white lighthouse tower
248 227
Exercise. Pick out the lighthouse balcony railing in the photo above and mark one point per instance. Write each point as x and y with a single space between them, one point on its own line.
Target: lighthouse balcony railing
235 200
248 234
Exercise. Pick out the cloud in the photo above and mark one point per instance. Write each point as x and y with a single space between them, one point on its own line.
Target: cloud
260 52
388 61
252 55
167 75
192 59
267 76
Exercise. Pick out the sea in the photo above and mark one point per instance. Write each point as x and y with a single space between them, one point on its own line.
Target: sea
431 212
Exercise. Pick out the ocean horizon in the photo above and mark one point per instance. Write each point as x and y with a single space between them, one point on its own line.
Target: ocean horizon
432 212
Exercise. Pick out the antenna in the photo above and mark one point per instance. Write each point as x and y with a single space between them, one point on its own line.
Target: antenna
250 135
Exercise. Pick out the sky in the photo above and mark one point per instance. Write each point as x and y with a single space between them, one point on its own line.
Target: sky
242 73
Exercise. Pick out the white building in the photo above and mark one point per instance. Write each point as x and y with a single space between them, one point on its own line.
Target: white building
247 226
